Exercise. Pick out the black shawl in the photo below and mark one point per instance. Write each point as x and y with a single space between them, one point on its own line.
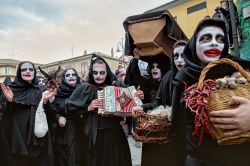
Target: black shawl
20 117
63 92
190 75
65 89
78 103
24 92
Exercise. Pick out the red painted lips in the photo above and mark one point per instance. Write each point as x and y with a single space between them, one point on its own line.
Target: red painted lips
179 66
99 79
27 75
213 52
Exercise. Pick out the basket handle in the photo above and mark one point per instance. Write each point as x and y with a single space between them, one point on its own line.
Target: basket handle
222 61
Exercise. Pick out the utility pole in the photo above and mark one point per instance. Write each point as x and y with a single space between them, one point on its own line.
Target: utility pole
72 51
234 30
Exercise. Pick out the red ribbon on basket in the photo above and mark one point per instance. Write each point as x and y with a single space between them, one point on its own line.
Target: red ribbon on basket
196 99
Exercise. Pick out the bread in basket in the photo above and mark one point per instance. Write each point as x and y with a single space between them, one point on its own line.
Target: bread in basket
153 127
204 97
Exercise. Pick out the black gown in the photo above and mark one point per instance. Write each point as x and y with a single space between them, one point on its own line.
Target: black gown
152 153
64 139
209 153
5 156
106 143
18 126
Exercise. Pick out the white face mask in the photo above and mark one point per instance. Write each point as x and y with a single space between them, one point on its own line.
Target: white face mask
27 72
224 5
178 60
209 44
41 81
99 73
156 71
70 77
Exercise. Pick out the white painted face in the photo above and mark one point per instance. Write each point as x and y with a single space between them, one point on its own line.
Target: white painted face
70 77
41 81
27 72
224 5
99 72
156 71
209 44
178 59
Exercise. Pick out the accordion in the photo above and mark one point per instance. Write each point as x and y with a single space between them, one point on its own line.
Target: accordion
117 101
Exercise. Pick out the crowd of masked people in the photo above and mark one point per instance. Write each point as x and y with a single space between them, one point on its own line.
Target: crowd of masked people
78 136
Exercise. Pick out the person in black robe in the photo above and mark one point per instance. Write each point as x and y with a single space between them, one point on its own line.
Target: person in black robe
156 64
103 141
22 97
164 94
6 81
5 156
150 85
64 126
212 33
161 154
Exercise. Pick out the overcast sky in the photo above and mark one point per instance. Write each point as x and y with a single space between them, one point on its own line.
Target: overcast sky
44 31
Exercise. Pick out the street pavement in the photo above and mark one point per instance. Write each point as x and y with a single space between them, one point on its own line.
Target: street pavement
135 151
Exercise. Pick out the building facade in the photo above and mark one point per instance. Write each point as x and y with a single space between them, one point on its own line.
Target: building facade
188 13
81 63
8 68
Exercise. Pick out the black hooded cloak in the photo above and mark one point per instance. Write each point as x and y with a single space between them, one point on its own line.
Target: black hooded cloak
163 97
64 138
152 154
148 85
5 156
103 139
18 124
209 153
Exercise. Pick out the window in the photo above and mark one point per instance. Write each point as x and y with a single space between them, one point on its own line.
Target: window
6 70
197 7
84 67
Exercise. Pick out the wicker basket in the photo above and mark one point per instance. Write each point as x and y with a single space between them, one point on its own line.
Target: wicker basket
152 128
220 100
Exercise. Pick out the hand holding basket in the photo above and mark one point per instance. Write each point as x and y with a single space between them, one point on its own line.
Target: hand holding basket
220 100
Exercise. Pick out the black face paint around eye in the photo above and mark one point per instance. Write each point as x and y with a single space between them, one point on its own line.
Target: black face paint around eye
205 38
24 70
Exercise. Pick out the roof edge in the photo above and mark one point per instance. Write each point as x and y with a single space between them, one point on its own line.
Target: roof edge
168 5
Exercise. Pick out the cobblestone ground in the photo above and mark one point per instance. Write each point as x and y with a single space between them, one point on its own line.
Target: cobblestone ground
135 151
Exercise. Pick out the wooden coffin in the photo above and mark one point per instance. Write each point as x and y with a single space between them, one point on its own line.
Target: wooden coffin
152 33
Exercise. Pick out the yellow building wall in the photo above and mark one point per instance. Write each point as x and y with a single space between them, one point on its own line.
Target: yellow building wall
188 22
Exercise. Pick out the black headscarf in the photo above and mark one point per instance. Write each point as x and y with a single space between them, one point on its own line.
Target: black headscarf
174 69
24 92
192 70
110 76
162 60
65 89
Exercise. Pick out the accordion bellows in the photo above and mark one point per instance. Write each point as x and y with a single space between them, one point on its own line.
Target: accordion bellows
118 101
